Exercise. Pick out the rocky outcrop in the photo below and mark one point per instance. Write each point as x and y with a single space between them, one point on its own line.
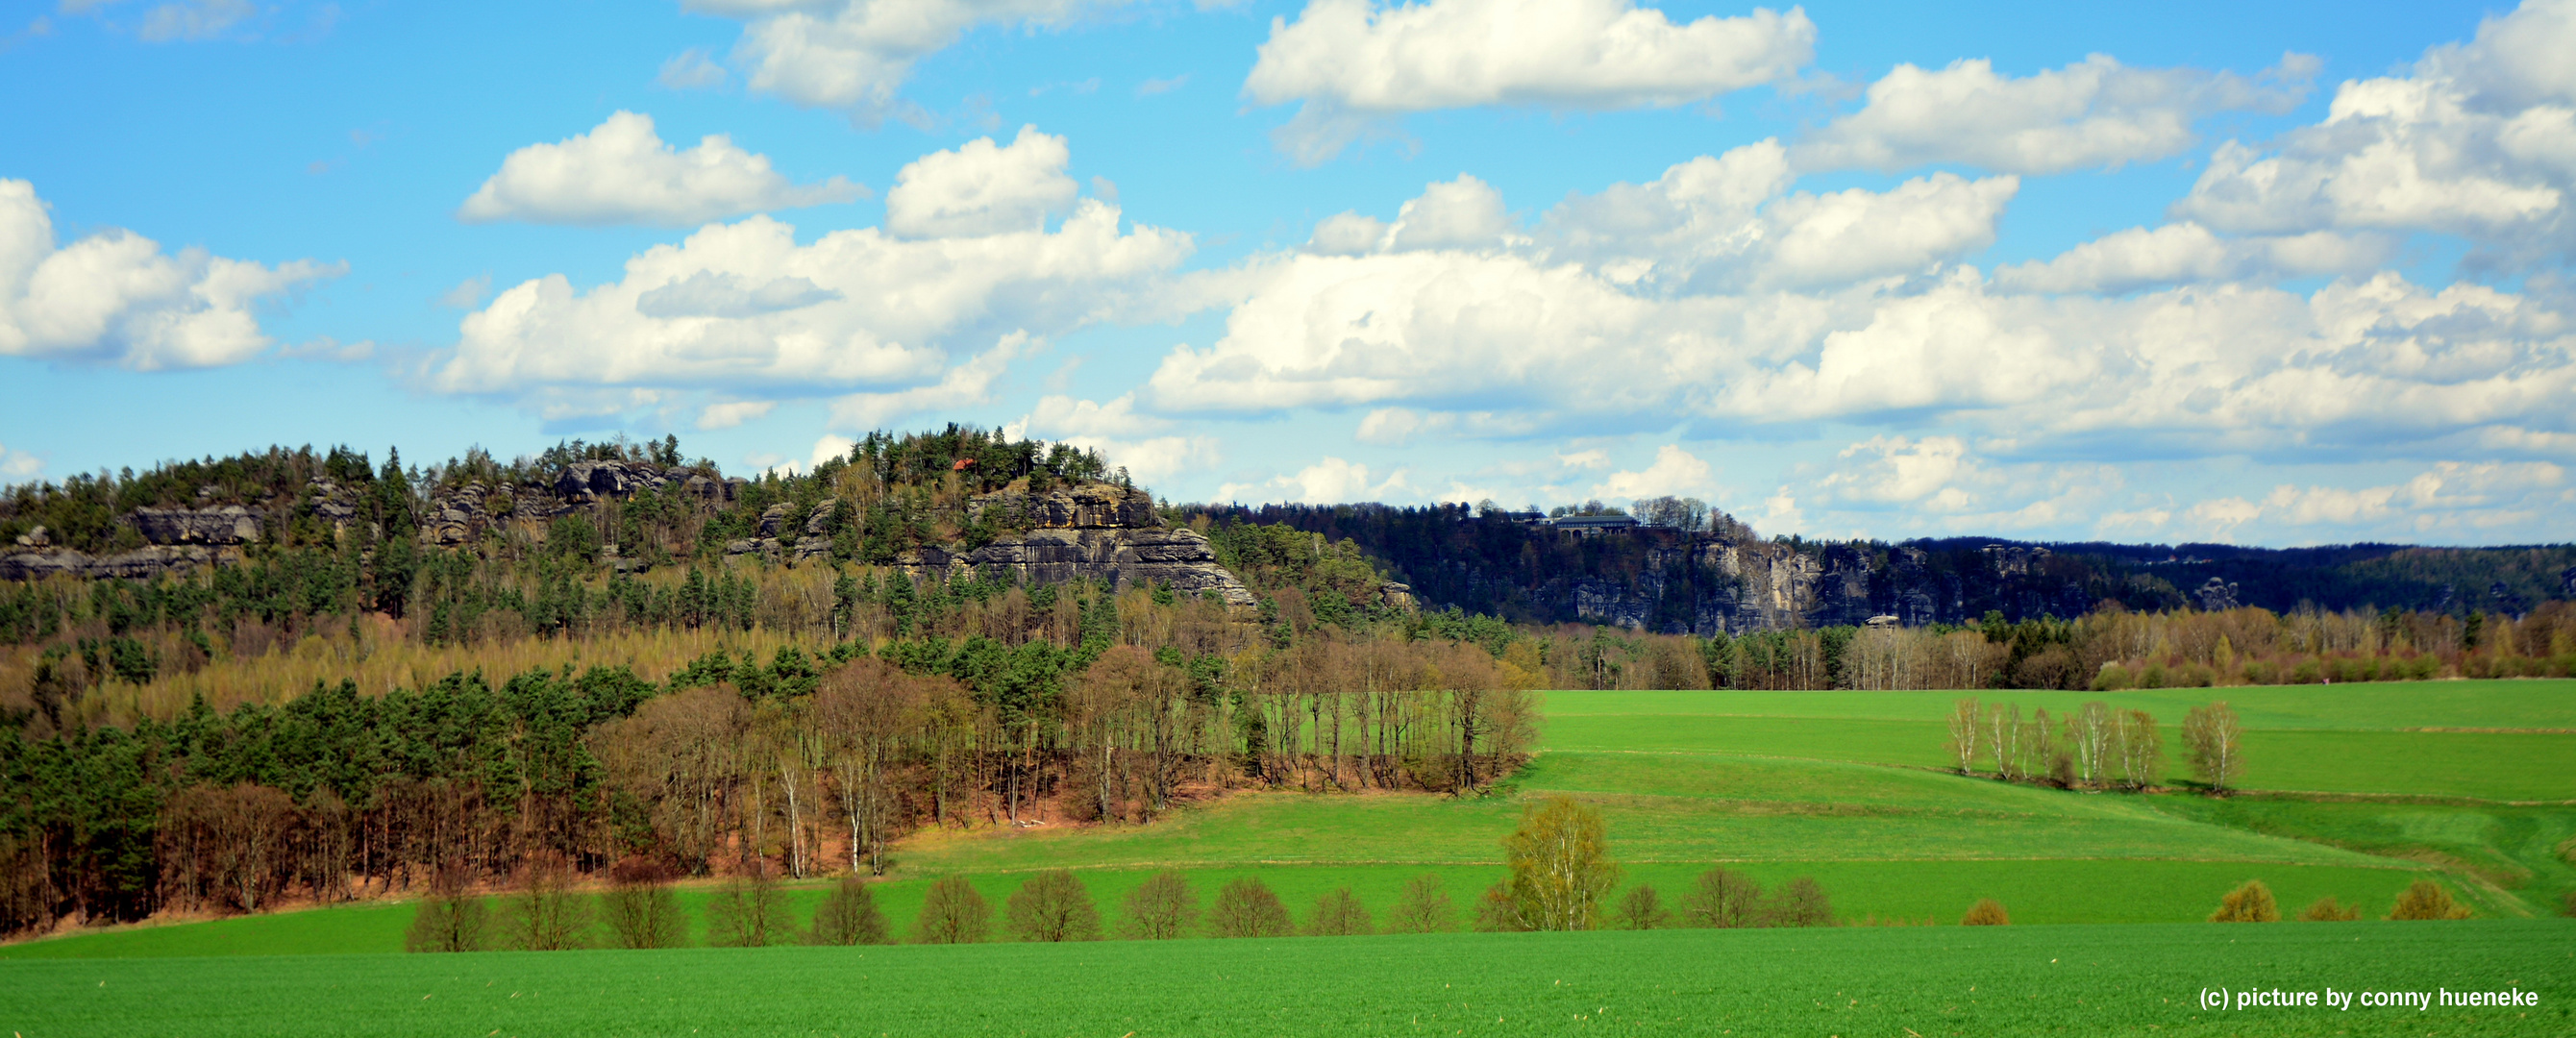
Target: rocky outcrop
1092 532
1091 506
232 524
178 540
1096 531
139 564
1180 559
461 514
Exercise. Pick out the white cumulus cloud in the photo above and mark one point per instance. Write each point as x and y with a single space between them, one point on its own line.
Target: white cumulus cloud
19 466
1675 472
2186 252
1354 60
622 172
2096 113
2479 140
1146 446
1898 470
1730 221
742 305
981 188
1330 481
855 54
115 296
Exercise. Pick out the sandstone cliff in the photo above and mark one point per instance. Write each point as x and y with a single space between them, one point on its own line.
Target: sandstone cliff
1095 531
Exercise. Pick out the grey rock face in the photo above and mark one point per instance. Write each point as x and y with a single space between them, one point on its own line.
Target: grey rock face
231 524
1180 559
774 518
1090 506
139 564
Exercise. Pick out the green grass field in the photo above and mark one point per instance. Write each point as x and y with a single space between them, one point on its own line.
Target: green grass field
1950 981
1842 786
2360 738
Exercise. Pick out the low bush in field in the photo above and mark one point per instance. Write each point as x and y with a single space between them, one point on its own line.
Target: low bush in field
1986 912
2251 903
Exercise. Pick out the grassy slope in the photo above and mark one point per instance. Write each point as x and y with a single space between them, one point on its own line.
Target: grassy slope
1933 982
2322 738
1699 781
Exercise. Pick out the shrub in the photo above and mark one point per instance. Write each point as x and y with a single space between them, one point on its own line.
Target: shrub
749 911
1340 914
1162 908
2328 910
1986 912
2425 899
848 915
450 918
1053 906
1247 908
2251 903
1723 899
639 907
1801 902
953 913
1642 909
1422 908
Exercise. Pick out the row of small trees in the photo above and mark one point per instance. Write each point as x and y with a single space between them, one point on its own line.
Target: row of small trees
2094 747
640 909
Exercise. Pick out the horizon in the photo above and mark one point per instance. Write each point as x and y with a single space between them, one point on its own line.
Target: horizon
1842 271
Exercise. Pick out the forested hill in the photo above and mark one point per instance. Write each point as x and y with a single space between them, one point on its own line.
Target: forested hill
1691 570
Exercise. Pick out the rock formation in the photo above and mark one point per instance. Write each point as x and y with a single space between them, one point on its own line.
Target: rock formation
1095 531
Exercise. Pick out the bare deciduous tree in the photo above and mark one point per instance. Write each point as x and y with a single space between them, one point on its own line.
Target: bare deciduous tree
1801 902
1641 908
1053 906
545 913
1423 907
639 907
1723 899
952 912
848 915
1340 914
1246 907
450 918
749 910
1162 907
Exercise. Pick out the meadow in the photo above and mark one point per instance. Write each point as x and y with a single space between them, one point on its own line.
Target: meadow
2495 740
1948 981
1846 787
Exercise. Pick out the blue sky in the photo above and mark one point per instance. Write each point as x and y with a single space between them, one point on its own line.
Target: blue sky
2286 275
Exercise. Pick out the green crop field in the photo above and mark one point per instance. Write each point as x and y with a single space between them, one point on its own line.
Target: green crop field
1845 787
1934 982
2498 740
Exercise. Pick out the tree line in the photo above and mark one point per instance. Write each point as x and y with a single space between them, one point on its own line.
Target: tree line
808 763
2092 747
